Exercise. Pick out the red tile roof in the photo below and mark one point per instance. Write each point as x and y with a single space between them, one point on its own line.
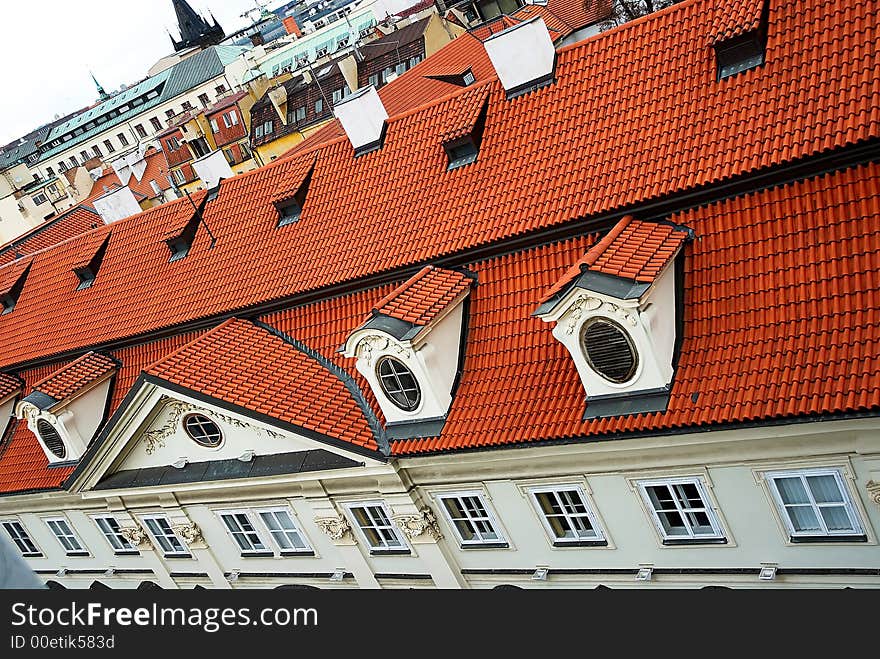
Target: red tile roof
157 170
580 13
69 379
781 311
465 114
782 320
416 8
71 223
421 298
225 102
8 385
632 250
245 365
23 465
743 17
557 27
618 137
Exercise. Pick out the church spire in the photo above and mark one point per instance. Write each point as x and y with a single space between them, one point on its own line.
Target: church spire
194 29
102 95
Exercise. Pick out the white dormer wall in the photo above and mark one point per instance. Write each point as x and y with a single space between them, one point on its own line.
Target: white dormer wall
433 358
77 420
7 410
649 321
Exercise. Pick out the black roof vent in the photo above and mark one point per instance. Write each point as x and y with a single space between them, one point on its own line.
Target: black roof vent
88 273
51 439
609 350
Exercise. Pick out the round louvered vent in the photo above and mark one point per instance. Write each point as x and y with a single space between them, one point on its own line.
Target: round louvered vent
51 439
609 350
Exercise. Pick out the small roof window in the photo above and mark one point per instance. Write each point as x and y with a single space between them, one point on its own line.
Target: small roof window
9 297
462 143
202 430
89 272
399 384
51 439
290 209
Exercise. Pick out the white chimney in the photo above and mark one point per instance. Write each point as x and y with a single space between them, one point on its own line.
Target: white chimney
523 56
363 117
117 205
211 168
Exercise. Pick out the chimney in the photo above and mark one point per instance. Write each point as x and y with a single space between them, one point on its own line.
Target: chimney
117 205
211 168
364 118
523 56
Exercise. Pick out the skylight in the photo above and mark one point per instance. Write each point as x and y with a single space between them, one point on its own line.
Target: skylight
89 272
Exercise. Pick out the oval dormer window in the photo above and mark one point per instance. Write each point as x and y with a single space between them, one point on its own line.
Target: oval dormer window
609 350
202 430
51 439
399 384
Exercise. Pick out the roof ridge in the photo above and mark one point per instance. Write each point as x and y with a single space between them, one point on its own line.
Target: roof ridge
344 376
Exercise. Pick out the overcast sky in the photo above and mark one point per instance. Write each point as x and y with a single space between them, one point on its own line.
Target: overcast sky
47 48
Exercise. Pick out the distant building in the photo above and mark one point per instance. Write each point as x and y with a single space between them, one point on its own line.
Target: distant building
195 31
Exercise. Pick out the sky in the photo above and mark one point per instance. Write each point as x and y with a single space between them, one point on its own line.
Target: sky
48 47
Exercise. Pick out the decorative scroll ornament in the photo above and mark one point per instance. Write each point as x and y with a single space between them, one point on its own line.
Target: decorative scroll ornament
873 488
155 439
415 525
190 533
586 303
29 412
336 528
241 424
136 536
368 346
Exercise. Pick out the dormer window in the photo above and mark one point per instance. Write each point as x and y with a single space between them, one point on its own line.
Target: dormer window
290 209
13 286
409 350
615 312
89 272
179 245
65 409
460 153
740 40
462 142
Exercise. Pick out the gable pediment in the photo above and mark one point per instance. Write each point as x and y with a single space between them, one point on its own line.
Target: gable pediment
148 445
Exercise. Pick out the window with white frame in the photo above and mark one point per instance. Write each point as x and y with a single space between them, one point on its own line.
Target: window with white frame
814 504
22 540
284 531
566 515
160 529
109 526
471 519
66 537
375 525
681 510
243 533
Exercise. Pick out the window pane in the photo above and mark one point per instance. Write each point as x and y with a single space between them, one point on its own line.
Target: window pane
791 490
836 518
824 489
803 518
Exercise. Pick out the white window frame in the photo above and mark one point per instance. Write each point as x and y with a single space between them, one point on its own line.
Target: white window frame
497 543
184 553
718 535
125 547
401 548
598 537
265 551
21 535
297 529
858 533
57 526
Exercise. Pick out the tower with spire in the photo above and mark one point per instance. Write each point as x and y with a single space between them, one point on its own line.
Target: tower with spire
102 95
194 29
